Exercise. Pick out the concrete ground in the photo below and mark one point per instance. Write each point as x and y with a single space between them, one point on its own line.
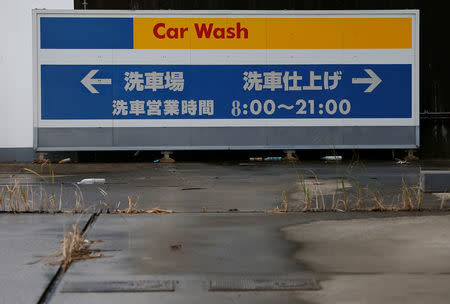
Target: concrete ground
220 232
219 187
390 260
23 237
213 246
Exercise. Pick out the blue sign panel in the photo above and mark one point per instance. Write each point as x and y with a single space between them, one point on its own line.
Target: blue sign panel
86 33
226 91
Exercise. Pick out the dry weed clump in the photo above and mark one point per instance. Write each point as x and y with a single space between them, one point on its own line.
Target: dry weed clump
358 198
132 206
443 201
306 192
284 205
344 201
2 200
378 199
412 196
75 246
132 209
310 191
275 210
18 198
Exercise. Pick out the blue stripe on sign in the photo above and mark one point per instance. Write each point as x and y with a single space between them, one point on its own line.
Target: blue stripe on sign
86 33
64 96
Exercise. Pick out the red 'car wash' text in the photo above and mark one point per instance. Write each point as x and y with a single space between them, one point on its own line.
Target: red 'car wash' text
202 30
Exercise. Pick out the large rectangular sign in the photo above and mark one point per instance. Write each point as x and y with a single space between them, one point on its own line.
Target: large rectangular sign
231 80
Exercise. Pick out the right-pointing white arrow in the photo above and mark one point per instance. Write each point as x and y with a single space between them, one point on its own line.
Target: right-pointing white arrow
88 81
374 80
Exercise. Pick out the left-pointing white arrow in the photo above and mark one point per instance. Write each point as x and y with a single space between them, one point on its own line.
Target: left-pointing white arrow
88 81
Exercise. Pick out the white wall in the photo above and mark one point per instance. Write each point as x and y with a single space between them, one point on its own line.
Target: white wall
16 93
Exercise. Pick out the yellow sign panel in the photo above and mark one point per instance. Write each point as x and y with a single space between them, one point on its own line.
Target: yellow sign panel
272 33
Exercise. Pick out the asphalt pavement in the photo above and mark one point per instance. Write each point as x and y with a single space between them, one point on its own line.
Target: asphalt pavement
220 187
23 238
223 243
